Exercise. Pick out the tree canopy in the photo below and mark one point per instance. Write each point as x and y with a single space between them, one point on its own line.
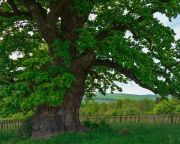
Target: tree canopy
123 38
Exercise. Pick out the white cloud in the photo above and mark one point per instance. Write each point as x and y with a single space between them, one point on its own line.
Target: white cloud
177 31
133 88
92 17
16 55
145 50
162 18
175 25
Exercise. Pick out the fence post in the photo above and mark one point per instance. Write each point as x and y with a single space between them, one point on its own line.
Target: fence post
153 118
120 119
139 119
172 119
175 119
1 125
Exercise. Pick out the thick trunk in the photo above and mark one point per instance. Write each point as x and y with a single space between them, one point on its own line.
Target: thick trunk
50 120
46 122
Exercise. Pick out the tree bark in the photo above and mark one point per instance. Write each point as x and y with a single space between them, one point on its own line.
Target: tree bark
49 121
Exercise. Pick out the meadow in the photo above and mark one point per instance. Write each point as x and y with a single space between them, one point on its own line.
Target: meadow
114 133
105 134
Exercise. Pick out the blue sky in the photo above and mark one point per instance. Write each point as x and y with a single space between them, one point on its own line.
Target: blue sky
131 87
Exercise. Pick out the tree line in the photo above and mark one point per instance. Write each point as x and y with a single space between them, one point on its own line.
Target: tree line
119 107
130 107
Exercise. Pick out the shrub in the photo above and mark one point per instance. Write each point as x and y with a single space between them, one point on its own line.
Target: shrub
165 107
131 111
178 109
91 124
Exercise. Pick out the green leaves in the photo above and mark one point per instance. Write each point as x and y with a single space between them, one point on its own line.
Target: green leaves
32 80
62 50
166 107
118 32
86 41
64 80
83 6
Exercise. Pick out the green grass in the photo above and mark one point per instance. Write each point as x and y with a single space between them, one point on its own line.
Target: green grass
118 96
137 134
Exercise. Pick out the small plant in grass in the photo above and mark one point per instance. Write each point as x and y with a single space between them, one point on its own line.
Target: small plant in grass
125 131
171 139
91 124
95 125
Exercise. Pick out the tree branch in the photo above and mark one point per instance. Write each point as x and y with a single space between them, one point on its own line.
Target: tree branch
103 34
126 72
13 5
56 10
121 27
3 83
37 11
70 21
13 14
40 16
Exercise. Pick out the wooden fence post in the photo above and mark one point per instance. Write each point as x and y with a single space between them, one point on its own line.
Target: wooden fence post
120 118
153 118
1 125
172 119
139 119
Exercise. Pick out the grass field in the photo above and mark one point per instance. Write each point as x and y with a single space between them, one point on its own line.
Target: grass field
118 96
116 134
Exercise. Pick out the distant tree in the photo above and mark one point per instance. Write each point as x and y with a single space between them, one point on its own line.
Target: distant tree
178 109
146 106
69 48
166 107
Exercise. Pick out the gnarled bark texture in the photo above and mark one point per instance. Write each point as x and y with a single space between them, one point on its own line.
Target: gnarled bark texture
51 120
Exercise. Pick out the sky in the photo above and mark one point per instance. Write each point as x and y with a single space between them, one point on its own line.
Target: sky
131 87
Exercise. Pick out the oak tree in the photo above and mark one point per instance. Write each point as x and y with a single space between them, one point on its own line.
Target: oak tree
53 52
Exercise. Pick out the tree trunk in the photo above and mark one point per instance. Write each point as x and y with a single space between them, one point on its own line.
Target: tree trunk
49 121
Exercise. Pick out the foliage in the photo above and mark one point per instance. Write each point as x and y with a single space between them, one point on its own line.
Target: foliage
21 116
33 85
50 36
130 107
177 109
95 125
120 107
166 107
